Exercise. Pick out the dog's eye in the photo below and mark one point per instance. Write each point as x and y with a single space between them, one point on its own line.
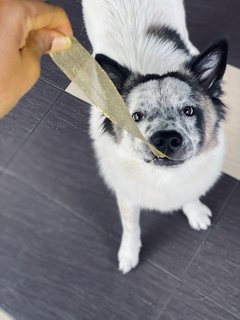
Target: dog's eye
137 116
188 111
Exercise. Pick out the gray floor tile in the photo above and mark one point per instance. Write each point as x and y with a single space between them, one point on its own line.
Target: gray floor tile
186 304
50 72
209 21
21 122
216 269
168 240
54 266
58 160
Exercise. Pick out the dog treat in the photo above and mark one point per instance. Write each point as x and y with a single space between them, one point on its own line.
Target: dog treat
4 315
83 70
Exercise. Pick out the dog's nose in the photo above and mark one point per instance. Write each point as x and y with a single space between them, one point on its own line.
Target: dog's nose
167 141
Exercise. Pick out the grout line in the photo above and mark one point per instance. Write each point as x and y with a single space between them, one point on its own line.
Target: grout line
207 297
210 230
166 304
54 85
178 281
173 290
163 269
56 201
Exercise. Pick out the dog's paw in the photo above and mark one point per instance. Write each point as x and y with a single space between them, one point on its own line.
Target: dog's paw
128 258
199 216
127 261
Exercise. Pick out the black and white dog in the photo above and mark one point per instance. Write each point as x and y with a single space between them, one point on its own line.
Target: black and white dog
173 94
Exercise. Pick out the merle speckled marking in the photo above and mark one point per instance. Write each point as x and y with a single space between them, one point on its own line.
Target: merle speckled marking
162 98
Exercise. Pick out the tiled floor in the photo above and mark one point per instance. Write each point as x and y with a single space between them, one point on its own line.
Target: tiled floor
59 225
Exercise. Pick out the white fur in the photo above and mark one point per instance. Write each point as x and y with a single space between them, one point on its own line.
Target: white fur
115 28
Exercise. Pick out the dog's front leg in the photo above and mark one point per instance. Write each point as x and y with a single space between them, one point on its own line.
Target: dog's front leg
198 215
128 254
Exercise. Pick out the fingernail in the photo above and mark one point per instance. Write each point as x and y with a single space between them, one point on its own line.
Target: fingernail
60 43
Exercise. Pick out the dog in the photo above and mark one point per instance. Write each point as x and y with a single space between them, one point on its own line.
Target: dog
173 93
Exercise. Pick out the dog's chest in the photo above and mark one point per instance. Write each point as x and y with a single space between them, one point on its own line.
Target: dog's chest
152 192
153 188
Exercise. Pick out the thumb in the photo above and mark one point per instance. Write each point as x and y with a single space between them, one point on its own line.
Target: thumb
43 41
37 44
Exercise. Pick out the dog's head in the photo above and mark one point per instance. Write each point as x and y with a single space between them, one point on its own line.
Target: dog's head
179 112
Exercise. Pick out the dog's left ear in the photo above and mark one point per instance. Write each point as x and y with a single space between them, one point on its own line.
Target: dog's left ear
210 66
117 73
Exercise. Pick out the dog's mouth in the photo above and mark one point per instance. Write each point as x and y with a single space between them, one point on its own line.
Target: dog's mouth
164 162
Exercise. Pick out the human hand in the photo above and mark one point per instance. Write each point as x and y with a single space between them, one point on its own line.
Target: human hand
28 29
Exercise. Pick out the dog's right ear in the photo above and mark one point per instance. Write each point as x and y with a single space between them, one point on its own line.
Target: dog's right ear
209 67
117 73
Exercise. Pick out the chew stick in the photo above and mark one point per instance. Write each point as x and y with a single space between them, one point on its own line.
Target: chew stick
83 70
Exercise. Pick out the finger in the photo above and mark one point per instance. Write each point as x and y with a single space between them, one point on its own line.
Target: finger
42 15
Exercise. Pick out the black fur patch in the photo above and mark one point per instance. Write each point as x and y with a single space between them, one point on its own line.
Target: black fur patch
200 125
136 80
116 72
167 34
107 126
209 67
220 108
